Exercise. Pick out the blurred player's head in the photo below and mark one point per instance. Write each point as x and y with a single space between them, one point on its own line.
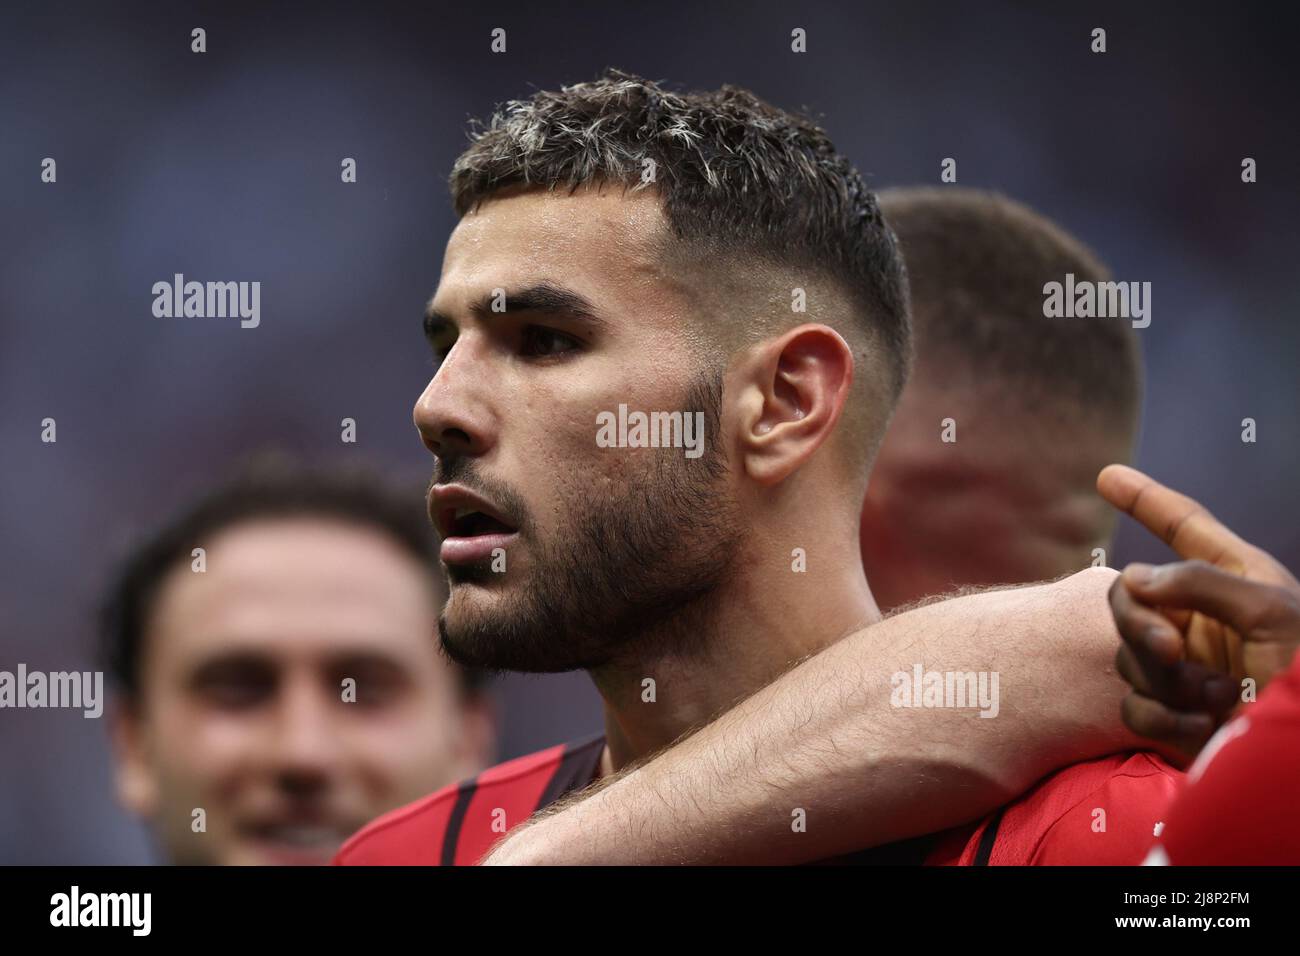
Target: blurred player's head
286 681
626 250
1037 405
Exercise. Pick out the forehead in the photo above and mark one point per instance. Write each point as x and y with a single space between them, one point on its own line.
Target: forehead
602 242
296 586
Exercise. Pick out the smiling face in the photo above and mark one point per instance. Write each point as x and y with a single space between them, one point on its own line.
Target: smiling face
241 709
552 309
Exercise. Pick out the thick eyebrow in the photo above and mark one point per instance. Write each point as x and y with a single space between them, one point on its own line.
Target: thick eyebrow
544 298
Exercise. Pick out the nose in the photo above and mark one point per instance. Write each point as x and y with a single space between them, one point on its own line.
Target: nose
307 744
453 415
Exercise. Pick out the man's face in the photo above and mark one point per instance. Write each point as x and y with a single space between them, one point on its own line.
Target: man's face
244 711
552 309
997 506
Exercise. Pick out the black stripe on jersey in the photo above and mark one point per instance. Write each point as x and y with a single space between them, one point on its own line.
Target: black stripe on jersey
576 769
987 839
452 834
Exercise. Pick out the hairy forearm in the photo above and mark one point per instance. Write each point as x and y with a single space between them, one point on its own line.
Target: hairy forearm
826 742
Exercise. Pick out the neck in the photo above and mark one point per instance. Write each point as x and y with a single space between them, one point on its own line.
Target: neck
764 619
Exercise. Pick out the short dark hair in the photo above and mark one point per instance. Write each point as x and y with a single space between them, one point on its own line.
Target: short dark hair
266 488
977 263
737 176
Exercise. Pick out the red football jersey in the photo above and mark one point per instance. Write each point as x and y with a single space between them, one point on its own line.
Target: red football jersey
458 825
1237 807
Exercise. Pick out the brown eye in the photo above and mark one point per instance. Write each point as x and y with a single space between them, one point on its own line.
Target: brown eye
540 341
235 685
441 342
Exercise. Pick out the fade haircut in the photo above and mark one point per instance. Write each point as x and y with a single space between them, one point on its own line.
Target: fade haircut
977 263
740 181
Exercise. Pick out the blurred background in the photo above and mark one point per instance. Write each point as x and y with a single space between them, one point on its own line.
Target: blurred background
225 166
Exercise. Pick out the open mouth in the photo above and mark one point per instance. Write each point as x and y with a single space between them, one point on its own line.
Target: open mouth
473 529
473 535
470 523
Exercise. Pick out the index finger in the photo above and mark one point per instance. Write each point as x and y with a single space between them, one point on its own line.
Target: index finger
1177 520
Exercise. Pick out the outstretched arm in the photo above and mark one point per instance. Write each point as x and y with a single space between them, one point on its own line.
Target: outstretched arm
827 739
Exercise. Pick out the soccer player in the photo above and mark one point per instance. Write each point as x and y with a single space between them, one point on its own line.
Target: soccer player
624 248
1038 406
283 684
1007 504
1043 405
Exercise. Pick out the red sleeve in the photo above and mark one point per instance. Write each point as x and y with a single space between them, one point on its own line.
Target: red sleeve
1237 807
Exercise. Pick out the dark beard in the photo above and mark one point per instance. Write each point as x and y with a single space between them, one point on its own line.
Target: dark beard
628 566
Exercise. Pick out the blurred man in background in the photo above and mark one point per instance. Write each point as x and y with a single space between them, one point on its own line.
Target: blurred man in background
1038 405
280 679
